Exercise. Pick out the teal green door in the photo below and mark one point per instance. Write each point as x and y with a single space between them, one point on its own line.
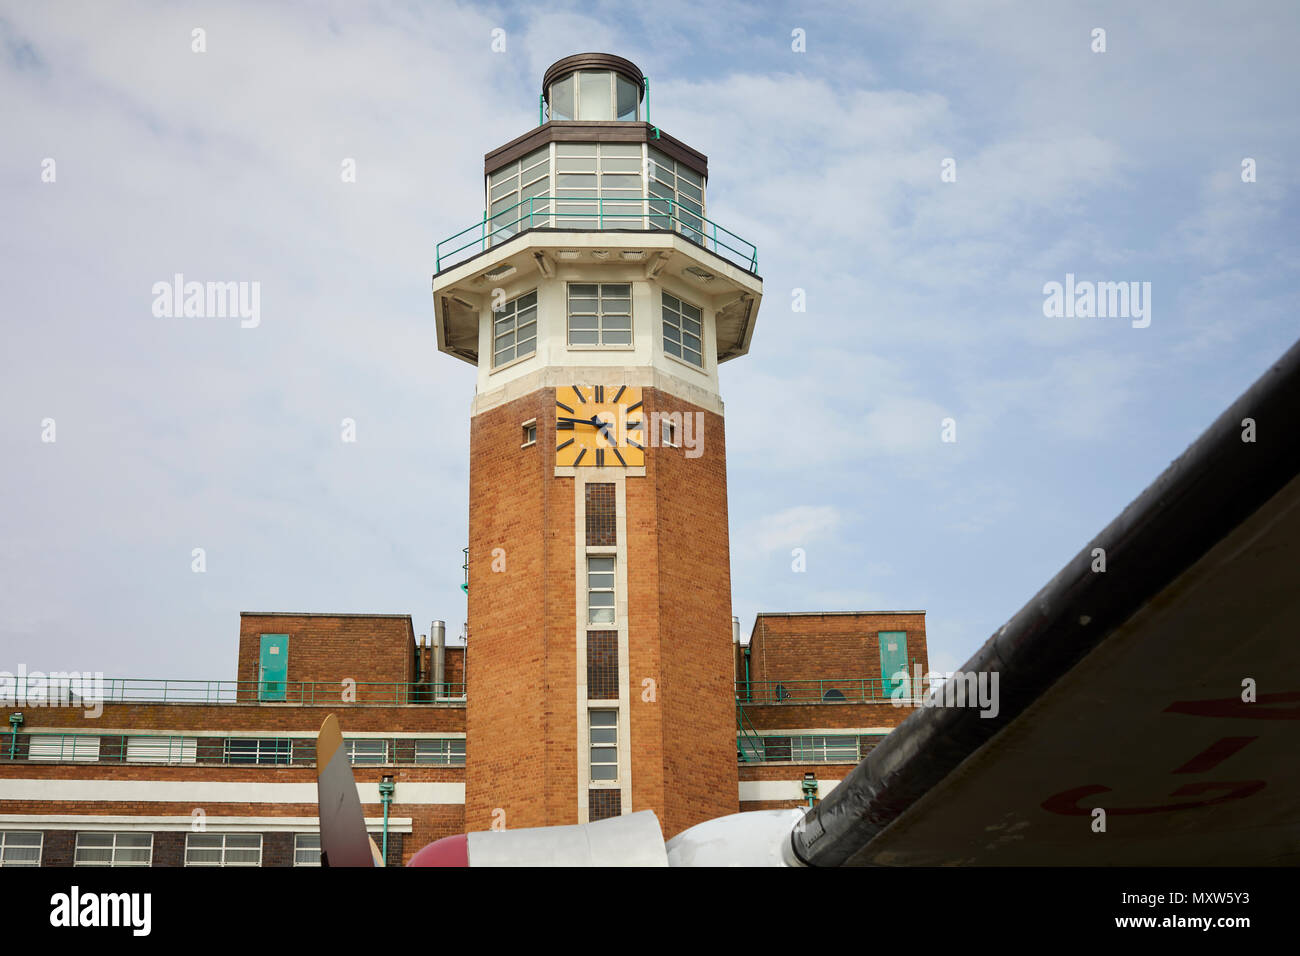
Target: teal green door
893 658
274 667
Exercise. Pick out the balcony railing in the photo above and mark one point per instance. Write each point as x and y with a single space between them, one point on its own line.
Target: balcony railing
124 690
643 213
840 690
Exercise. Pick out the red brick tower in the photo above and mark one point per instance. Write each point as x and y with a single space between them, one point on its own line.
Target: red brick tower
597 300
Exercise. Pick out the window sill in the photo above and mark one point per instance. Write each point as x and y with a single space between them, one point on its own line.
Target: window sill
690 365
513 362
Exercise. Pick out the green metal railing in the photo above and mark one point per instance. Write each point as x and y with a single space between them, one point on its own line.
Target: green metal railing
642 213
840 690
749 745
124 690
37 747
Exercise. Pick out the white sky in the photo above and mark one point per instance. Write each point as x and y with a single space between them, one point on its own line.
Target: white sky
924 298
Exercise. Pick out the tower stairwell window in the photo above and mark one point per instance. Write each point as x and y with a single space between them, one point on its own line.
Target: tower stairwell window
603 731
514 330
600 315
600 589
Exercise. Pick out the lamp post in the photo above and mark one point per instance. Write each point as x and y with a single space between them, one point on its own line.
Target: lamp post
15 721
810 787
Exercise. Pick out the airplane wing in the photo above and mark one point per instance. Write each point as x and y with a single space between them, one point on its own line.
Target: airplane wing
1146 709
1163 691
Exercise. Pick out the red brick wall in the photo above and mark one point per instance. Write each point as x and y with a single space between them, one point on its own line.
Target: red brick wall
332 648
822 771
522 709
791 716
679 579
820 647
521 716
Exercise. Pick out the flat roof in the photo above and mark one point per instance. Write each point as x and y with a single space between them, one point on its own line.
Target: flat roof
826 613
400 617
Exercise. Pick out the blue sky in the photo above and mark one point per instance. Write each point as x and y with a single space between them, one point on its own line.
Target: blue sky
924 298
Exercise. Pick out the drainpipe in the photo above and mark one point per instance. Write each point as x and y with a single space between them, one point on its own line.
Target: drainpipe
749 693
735 648
386 788
15 721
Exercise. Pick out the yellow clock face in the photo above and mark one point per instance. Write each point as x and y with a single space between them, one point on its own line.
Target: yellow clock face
599 426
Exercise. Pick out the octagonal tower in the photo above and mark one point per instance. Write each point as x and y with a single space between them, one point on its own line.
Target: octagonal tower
596 299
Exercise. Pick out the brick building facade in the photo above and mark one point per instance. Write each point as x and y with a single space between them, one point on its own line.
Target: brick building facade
601 674
207 760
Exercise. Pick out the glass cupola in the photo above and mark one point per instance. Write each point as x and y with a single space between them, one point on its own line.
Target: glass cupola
593 87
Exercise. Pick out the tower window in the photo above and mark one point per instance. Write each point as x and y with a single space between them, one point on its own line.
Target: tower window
594 95
600 589
671 180
600 315
599 186
683 330
530 433
514 329
509 190
603 730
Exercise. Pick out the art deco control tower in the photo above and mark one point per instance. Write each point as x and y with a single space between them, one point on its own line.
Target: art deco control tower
597 299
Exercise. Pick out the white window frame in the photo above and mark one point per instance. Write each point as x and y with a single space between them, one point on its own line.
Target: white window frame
159 749
593 745
529 433
350 745
113 848
63 748
612 589
299 849
510 312
7 843
674 316
600 316
440 752
223 849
